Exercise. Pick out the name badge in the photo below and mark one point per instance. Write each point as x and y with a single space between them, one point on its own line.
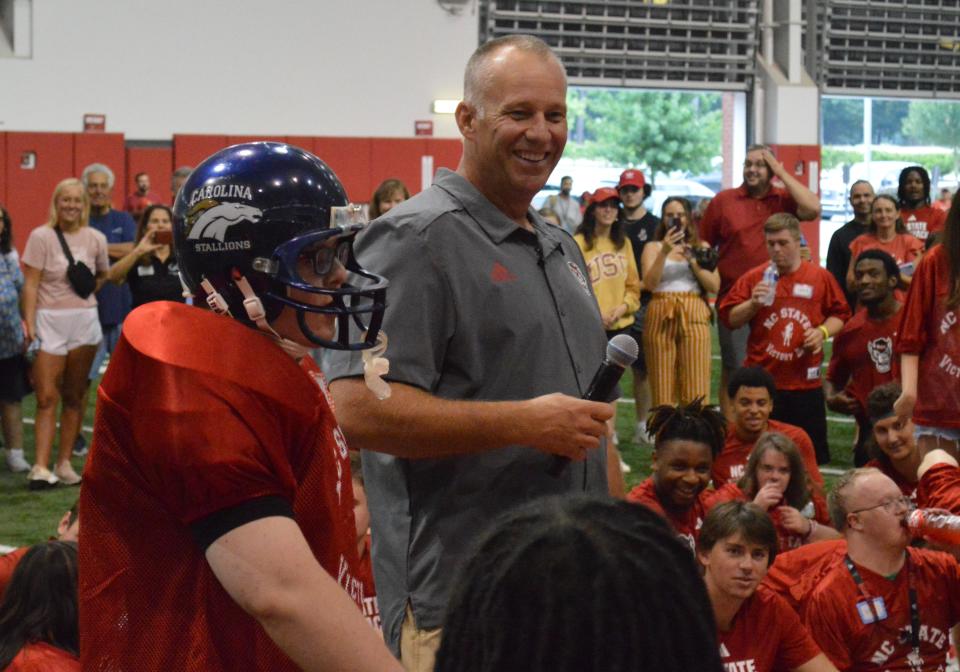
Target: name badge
813 373
803 291
145 270
872 610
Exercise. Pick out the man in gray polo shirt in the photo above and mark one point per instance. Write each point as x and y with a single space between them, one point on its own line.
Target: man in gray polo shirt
494 336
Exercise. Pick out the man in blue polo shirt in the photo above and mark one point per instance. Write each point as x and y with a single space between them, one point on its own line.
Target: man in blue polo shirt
113 302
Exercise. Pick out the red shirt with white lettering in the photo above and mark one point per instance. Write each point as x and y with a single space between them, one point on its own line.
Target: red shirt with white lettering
923 221
687 523
836 624
816 509
931 330
804 299
939 488
733 223
729 464
863 356
903 247
371 609
784 644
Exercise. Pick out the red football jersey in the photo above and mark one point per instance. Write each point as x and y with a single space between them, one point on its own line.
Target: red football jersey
787 540
371 609
903 248
923 221
863 356
908 488
198 414
8 563
795 574
784 643
804 299
940 488
929 329
43 657
728 466
733 222
836 624
688 523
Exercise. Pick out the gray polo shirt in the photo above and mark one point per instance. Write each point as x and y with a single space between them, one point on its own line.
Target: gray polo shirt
478 309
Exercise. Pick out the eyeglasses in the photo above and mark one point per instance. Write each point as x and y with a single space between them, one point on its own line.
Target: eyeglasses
321 258
889 505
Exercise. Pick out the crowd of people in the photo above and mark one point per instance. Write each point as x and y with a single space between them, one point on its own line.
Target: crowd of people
451 500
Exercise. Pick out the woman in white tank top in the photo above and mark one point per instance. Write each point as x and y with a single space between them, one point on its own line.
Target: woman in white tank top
676 331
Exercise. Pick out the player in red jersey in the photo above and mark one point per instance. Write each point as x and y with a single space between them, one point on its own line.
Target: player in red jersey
787 334
218 529
361 515
776 481
885 606
687 439
913 194
751 390
893 447
756 629
863 350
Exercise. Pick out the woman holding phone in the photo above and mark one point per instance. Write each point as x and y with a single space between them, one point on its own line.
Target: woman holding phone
151 268
676 334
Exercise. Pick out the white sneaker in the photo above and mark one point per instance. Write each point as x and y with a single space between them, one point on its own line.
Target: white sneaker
40 478
640 435
66 474
15 461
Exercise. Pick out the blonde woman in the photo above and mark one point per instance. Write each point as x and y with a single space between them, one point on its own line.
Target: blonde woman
676 333
64 322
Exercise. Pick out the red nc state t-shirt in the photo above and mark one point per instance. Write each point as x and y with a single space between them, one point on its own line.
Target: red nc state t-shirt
804 299
903 247
730 463
923 221
851 644
929 329
686 524
766 635
863 356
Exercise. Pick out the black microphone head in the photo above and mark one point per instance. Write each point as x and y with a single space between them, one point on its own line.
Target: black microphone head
622 350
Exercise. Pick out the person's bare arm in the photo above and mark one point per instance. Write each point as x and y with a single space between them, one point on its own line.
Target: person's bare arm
819 664
616 485
117 250
413 423
932 459
267 568
909 368
31 285
808 205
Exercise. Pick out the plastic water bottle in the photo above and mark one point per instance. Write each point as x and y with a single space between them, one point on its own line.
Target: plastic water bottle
770 276
936 525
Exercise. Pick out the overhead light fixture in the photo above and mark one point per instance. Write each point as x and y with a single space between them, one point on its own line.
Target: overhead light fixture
445 106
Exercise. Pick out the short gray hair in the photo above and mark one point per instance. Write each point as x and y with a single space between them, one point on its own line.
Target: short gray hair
97 168
183 171
476 75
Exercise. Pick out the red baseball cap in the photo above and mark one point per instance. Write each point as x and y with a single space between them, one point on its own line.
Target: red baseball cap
632 178
604 194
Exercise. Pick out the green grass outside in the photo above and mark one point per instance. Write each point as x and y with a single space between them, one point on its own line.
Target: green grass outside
30 516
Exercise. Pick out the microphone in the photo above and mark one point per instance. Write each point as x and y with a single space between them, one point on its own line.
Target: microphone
622 351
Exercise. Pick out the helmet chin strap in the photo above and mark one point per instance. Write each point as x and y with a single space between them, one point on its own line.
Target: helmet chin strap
256 313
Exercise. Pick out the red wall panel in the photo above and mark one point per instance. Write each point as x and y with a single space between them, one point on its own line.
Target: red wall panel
189 150
301 141
238 139
446 152
157 162
29 190
397 158
796 159
350 160
3 169
105 148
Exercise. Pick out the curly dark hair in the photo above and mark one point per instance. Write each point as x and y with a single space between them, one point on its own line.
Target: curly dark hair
902 183
582 584
695 421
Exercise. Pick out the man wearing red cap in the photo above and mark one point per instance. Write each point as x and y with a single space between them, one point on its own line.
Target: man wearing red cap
639 225
733 223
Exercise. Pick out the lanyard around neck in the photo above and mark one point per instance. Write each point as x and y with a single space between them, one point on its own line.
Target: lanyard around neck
911 591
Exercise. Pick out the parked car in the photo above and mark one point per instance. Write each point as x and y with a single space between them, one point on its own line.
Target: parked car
665 187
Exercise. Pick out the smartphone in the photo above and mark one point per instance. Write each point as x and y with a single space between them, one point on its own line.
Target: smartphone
163 237
675 224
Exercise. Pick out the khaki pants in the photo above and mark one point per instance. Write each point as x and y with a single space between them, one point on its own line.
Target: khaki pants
418 648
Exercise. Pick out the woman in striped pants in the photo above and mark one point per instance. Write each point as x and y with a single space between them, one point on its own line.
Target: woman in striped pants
676 333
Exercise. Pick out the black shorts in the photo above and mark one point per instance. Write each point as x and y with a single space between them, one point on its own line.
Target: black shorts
640 364
14 379
805 409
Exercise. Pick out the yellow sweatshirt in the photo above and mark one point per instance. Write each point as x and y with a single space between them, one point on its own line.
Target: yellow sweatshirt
614 276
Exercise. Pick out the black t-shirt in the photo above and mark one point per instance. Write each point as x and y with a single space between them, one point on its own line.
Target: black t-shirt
838 254
640 232
156 281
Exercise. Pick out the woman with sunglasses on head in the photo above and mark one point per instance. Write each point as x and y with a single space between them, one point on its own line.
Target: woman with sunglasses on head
151 268
757 630
775 479
676 332
687 438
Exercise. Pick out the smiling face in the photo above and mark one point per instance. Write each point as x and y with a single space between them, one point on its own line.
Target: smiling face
606 213
884 215
895 437
99 191
516 126
69 204
681 471
756 172
872 282
752 407
861 198
913 186
735 567
391 201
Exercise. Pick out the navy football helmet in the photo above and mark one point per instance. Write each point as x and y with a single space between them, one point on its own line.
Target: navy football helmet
249 215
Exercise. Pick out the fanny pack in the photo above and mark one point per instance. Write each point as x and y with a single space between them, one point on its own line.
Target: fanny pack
80 277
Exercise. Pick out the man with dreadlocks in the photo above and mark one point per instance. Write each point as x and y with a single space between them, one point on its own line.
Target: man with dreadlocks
913 196
554 585
687 439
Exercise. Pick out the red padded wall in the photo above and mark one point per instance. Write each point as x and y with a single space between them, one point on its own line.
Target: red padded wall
3 170
238 139
397 158
29 191
446 153
797 158
105 148
157 162
189 150
350 160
